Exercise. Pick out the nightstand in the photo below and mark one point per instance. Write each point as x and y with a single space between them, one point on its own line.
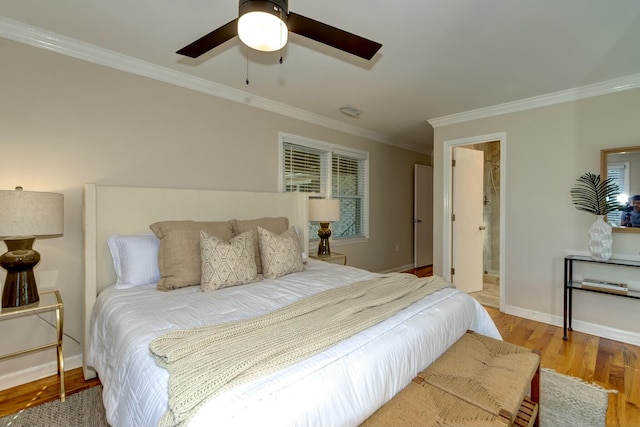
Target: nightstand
334 258
49 301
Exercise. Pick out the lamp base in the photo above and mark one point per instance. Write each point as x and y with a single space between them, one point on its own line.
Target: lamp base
324 233
20 285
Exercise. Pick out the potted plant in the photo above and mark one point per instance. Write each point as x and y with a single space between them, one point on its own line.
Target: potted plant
599 197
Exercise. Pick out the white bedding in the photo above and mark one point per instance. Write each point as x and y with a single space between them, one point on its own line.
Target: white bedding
341 386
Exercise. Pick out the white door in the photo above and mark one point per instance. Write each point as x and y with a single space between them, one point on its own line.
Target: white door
467 226
422 216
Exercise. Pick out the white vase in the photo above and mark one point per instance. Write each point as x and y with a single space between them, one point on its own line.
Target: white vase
600 241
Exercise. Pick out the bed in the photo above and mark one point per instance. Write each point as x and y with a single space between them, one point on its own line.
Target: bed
340 386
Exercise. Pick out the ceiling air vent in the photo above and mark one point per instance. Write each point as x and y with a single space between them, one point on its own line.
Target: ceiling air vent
350 111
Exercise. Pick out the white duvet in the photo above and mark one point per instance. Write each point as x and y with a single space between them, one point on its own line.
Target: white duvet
341 386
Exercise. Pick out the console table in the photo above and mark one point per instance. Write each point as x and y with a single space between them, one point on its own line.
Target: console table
570 285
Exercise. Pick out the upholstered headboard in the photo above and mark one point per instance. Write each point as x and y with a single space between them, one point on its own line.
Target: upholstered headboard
112 210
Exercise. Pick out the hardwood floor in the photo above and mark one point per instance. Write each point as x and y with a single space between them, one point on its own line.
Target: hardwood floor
611 364
421 271
45 390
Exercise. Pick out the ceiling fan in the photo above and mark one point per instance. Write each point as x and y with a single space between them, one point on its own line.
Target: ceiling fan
264 25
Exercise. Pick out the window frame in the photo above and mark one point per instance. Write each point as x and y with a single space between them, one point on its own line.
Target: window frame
327 151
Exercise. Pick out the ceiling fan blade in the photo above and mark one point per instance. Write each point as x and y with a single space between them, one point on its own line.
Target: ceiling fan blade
215 38
332 36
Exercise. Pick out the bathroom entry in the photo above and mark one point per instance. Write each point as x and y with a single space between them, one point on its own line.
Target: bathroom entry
491 203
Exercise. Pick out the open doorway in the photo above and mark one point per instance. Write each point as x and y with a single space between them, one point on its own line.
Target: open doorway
422 216
490 293
493 201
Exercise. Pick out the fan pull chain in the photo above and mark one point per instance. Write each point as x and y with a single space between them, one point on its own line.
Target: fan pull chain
281 46
247 79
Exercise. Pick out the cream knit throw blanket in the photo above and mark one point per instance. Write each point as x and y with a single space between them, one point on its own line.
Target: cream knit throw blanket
205 361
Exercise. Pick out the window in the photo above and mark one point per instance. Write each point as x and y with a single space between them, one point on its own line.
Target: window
331 171
619 173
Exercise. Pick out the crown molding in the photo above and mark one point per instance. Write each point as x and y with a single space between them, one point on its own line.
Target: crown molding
575 94
38 37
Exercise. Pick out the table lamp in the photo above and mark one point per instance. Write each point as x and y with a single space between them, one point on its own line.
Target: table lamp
324 211
25 215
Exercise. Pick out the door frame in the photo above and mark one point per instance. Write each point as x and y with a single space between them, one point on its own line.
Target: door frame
447 172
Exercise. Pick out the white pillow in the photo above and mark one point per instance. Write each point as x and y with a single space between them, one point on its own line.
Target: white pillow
135 259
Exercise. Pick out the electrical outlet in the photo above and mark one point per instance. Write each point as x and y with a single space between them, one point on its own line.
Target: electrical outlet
397 248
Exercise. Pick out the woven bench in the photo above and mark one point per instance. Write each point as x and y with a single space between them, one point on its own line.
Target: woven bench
479 381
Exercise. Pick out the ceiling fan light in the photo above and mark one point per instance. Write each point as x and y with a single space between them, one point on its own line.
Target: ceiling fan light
262 31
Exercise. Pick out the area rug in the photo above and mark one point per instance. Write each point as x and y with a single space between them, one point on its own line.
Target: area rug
565 401
83 409
569 401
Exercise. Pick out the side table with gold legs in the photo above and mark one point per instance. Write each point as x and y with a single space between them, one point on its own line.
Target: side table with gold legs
334 258
49 301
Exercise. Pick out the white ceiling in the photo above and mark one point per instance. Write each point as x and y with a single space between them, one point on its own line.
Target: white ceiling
439 57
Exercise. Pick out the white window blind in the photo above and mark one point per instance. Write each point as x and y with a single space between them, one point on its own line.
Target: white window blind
303 169
349 184
331 171
619 173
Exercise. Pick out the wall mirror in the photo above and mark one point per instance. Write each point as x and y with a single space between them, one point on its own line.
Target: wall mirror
623 165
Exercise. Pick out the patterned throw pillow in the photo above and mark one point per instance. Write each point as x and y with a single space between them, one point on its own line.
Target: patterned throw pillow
280 254
274 224
227 263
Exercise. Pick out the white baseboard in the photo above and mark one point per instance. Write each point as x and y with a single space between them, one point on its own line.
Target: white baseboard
398 269
37 372
578 325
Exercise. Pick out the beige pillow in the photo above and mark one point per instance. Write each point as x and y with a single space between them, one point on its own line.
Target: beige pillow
280 254
274 224
227 263
179 251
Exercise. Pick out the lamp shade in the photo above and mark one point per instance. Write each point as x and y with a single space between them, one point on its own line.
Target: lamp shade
261 24
31 213
324 210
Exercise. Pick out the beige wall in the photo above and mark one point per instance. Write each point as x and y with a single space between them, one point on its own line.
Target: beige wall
65 122
547 149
